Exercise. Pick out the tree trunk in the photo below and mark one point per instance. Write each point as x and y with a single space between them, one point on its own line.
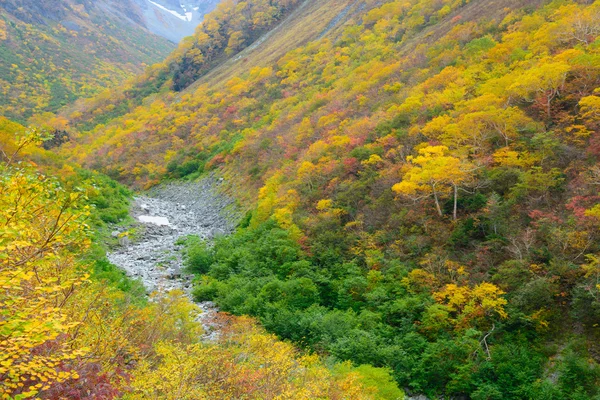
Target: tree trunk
455 201
437 202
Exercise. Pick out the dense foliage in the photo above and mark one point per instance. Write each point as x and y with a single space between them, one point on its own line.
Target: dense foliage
455 337
422 194
232 27
424 185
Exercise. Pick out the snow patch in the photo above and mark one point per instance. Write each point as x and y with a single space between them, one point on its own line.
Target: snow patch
187 17
160 221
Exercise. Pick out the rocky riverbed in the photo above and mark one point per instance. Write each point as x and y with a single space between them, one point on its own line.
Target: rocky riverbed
163 216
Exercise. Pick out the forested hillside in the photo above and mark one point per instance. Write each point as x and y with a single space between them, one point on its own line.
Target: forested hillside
224 33
421 180
53 52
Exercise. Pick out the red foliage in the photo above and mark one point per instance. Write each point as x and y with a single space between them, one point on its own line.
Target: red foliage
216 160
579 204
351 165
91 384
594 145
540 216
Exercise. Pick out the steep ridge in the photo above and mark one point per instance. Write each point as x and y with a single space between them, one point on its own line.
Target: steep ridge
303 19
422 183
304 24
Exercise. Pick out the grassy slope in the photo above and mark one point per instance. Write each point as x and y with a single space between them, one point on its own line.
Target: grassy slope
311 21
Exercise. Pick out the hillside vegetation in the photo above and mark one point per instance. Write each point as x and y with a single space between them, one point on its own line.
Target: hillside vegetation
71 324
52 53
224 33
422 186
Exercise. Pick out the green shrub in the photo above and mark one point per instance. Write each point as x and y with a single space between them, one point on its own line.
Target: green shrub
199 257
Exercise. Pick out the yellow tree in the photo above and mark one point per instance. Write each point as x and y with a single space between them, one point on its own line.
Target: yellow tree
246 363
435 173
472 304
590 109
592 273
42 226
541 84
578 25
3 34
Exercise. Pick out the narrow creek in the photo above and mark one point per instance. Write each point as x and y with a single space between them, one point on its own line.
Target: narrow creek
163 216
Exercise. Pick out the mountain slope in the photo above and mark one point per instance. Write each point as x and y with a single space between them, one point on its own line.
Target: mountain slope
225 33
421 181
54 52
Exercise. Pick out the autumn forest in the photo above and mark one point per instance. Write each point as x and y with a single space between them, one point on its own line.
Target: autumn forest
413 186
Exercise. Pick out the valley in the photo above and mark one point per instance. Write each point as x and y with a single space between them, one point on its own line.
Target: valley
172 213
383 199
